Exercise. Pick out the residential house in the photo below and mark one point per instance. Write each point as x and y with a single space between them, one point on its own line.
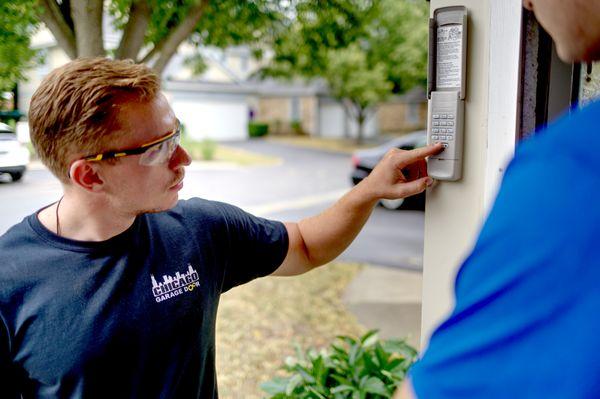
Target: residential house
221 102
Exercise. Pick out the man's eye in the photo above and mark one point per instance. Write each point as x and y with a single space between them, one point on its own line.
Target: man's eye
154 151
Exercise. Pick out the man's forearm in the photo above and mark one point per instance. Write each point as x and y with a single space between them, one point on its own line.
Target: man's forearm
328 234
323 237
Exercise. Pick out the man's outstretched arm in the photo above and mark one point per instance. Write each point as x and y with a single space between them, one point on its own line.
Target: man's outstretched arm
317 240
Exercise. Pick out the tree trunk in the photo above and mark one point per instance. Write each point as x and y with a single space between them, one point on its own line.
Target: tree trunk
169 45
347 105
85 39
360 121
135 30
52 17
15 97
87 17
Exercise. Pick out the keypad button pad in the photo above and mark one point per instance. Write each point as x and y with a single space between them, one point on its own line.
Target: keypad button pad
442 130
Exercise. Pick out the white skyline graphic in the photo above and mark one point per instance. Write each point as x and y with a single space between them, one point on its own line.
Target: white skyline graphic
171 283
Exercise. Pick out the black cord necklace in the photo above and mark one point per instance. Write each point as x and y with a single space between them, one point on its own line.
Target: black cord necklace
57 221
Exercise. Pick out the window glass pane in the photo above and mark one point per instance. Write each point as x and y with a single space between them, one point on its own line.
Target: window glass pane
589 89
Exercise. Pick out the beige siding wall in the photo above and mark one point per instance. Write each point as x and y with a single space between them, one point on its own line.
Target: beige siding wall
393 117
309 111
423 112
277 112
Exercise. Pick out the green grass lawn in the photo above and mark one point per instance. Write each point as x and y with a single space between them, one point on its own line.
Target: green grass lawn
212 151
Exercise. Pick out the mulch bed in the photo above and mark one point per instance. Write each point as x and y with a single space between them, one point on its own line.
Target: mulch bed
259 324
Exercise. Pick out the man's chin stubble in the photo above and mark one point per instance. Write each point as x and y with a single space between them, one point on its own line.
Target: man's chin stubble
155 210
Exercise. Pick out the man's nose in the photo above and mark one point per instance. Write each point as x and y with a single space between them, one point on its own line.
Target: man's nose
180 157
528 5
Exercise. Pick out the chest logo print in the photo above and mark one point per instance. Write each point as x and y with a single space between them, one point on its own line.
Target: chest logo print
172 286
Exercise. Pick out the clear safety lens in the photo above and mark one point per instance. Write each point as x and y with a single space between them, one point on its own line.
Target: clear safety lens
160 153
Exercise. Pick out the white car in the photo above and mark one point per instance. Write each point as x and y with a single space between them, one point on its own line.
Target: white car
14 156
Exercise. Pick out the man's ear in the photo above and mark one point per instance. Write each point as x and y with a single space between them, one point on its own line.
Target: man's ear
86 175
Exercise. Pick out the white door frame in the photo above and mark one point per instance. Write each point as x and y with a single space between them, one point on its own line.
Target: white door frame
505 58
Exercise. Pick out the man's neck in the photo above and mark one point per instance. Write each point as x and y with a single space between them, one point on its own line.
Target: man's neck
84 219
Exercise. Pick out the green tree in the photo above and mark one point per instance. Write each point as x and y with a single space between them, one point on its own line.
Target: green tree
152 30
18 23
364 49
358 84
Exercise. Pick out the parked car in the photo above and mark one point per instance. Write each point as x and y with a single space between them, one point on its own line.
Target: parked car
14 156
364 161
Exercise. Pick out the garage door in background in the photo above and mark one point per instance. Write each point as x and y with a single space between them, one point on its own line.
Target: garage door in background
221 120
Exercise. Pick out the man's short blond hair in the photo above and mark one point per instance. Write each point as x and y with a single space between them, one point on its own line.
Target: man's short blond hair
74 111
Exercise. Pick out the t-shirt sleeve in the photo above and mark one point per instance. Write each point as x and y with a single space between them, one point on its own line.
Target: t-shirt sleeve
255 247
525 321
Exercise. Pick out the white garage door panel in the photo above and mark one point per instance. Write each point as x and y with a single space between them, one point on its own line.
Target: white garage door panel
332 121
216 120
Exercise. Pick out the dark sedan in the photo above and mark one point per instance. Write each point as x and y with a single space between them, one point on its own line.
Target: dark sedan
364 161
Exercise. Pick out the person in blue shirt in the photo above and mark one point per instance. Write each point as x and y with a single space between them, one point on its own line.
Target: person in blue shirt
526 323
112 291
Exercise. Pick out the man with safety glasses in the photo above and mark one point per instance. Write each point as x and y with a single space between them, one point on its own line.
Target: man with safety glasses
155 152
112 291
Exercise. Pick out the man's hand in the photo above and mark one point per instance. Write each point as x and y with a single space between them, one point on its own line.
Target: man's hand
317 240
401 173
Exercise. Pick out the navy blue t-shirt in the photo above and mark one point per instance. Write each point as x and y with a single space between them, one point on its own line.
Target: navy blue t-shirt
130 317
527 318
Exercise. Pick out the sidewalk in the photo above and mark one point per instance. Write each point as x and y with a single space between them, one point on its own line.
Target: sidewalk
389 300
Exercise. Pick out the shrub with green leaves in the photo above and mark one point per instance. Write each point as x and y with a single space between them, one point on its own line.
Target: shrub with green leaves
367 368
208 148
257 129
296 127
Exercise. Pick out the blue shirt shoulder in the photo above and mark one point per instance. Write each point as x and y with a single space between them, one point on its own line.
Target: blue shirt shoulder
525 322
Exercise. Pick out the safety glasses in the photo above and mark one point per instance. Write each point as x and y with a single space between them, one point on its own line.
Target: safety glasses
155 152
